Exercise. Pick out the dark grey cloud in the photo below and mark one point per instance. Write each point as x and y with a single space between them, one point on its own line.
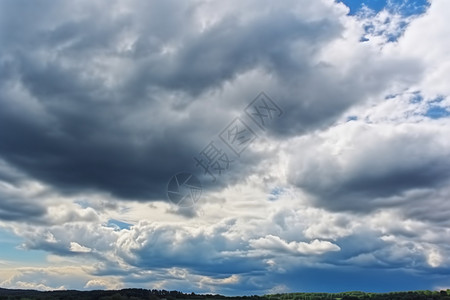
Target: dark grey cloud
430 205
17 209
15 204
317 97
92 102
377 166
9 174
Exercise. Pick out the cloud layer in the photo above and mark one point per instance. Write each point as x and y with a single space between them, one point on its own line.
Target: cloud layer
101 103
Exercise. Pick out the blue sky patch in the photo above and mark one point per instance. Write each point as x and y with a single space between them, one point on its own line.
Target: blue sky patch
118 225
11 252
405 8
437 112
355 5
416 98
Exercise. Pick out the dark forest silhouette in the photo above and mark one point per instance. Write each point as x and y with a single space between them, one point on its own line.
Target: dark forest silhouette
138 294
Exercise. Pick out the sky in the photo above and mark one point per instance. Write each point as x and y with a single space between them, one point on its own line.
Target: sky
232 147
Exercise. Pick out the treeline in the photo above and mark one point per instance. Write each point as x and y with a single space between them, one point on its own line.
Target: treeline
139 294
412 295
125 294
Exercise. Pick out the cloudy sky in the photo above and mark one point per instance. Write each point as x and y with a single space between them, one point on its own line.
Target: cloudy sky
344 187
